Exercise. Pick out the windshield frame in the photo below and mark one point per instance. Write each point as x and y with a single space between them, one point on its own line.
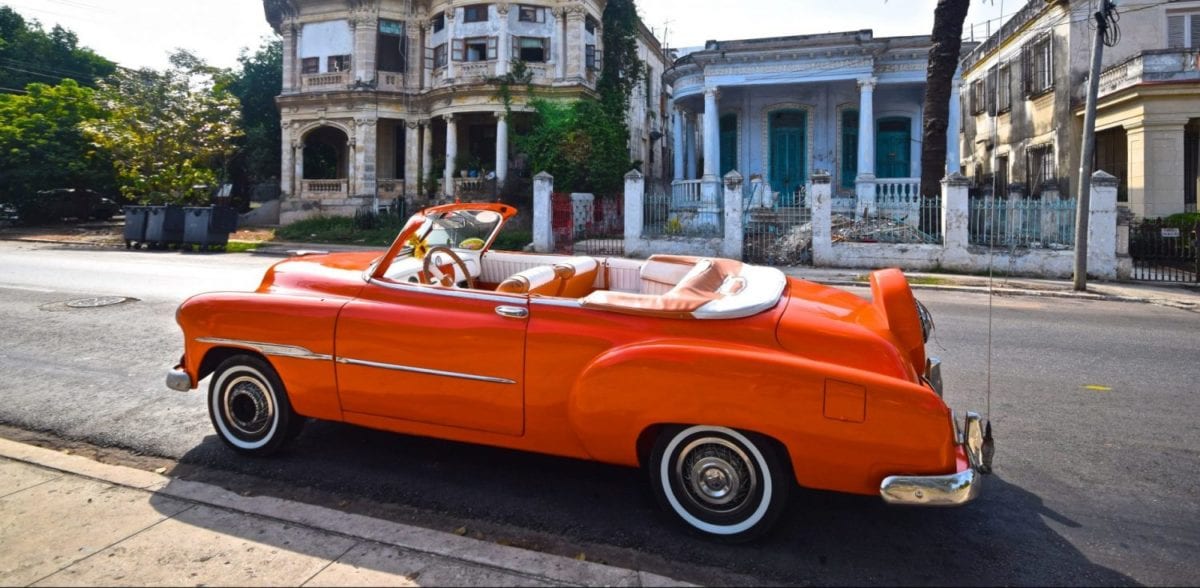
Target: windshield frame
416 222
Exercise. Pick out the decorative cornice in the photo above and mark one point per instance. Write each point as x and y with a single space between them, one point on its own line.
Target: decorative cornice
502 8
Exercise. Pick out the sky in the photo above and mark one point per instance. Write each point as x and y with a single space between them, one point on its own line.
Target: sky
142 33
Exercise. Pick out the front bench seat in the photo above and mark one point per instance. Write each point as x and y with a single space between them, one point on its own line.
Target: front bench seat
541 280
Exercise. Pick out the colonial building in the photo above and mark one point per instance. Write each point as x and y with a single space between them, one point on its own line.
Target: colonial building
780 108
386 99
1023 90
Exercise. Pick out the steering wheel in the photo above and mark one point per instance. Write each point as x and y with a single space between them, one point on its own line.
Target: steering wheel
445 272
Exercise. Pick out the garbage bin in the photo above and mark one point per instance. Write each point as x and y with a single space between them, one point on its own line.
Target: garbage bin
208 227
164 226
135 226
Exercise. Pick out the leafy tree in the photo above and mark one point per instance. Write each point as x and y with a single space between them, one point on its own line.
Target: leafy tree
42 145
256 83
168 131
28 54
622 70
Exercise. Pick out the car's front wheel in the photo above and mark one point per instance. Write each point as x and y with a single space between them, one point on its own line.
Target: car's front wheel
720 481
249 406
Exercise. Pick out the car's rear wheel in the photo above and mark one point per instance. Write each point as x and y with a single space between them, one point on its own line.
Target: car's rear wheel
718 481
249 406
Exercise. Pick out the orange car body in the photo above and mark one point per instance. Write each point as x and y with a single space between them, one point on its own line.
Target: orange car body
837 380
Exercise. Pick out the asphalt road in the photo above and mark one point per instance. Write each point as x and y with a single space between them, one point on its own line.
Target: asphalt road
1093 485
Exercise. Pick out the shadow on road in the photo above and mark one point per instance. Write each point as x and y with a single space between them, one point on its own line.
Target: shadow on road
563 505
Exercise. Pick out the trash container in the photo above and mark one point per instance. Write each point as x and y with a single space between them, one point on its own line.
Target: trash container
135 226
164 226
208 227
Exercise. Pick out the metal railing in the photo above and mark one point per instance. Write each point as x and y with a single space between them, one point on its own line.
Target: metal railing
900 216
777 228
323 185
1021 222
683 212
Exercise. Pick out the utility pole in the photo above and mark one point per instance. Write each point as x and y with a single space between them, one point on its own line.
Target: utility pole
1084 206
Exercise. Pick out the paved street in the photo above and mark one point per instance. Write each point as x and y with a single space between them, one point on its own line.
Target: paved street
1094 405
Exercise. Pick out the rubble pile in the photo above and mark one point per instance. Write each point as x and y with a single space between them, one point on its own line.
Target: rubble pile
877 230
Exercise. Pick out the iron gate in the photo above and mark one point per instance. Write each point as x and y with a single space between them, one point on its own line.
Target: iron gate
585 225
777 229
1164 253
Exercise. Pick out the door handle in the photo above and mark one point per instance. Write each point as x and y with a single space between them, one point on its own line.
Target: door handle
512 311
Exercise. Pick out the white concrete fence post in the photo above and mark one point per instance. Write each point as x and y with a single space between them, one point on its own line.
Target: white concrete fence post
1052 217
635 196
731 246
543 213
821 198
1102 227
955 215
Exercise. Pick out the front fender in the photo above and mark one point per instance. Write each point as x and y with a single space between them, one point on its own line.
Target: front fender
293 333
904 427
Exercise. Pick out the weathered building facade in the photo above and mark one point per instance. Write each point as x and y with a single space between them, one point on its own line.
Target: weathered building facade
387 99
1023 93
781 108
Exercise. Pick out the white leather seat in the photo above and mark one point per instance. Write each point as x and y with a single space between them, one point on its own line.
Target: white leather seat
542 280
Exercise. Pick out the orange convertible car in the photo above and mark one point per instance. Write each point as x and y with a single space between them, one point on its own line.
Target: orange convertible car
728 382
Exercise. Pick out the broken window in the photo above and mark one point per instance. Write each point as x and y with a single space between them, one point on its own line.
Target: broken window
338 63
310 65
475 13
475 49
392 46
439 56
531 49
531 14
1037 65
1039 168
439 21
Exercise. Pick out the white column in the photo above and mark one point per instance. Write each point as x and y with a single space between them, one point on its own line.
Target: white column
450 41
501 147
953 125
426 151
576 53
821 201
689 125
1102 227
866 128
677 133
287 162
366 35
635 195
503 43
412 158
712 142
451 154
955 230
559 44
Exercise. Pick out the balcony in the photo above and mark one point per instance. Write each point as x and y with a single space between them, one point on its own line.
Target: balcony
324 188
325 82
1147 67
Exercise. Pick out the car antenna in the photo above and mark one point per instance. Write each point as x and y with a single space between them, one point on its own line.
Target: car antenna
989 445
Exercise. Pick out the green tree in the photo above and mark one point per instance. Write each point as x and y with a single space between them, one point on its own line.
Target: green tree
256 82
42 145
29 54
168 131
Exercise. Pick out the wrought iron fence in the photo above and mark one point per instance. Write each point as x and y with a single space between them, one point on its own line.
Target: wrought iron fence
777 227
900 216
683 212
1163 252
1047 223
588 225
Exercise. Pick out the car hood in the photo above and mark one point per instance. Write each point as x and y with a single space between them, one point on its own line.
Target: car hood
340 274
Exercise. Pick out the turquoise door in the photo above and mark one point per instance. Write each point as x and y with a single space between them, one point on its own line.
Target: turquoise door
788 171
893 145
729 135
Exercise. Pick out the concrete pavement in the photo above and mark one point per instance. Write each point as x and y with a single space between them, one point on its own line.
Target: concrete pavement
68 520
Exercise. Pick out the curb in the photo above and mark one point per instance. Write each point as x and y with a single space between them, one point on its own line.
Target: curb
538 566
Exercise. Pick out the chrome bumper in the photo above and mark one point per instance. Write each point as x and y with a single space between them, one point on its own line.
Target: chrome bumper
946 490
177 379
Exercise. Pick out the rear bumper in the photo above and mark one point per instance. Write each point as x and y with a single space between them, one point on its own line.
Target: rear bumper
944 490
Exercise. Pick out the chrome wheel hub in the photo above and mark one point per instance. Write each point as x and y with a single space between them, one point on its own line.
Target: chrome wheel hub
715 474
248 406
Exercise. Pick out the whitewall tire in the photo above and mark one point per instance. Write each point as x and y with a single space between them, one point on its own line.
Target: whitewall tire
249 406
719 481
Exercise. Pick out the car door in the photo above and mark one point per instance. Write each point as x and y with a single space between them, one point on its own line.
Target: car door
429 354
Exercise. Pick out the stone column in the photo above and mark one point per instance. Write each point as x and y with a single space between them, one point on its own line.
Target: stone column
365 151
366 36
559 45
575 66
450 41
298 170
543 212
290 57
866 128
501 148
955 216
712 141
412 159
414 59
287 167
677 136
503 43
635 195
821 201
1155 151
426 151
451 154
732 244
1102 227
953 155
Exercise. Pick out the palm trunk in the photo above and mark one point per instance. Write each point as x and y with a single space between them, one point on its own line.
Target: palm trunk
948 20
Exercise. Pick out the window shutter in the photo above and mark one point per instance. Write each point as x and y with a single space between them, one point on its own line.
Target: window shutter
515 53
460 49
1026 71
403 54
1175 24
491 47
1194 30
992 77
429 59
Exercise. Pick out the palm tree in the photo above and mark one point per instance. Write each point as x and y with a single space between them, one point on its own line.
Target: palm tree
948 18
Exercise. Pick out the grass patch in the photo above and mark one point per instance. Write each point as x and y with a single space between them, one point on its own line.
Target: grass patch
928 280
241 246
381 231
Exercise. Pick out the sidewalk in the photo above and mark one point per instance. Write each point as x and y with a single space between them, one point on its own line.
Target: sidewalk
70 520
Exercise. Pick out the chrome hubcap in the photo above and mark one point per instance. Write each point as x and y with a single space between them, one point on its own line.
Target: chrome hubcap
248 406
715 474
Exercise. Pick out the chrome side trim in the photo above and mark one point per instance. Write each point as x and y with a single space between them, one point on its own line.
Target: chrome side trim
269 348
427 371
512 311
563 302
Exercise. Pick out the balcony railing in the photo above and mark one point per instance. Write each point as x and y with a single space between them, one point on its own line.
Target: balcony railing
1159 65
324 186
326 81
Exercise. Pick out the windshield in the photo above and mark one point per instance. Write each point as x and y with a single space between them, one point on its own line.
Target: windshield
460 229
